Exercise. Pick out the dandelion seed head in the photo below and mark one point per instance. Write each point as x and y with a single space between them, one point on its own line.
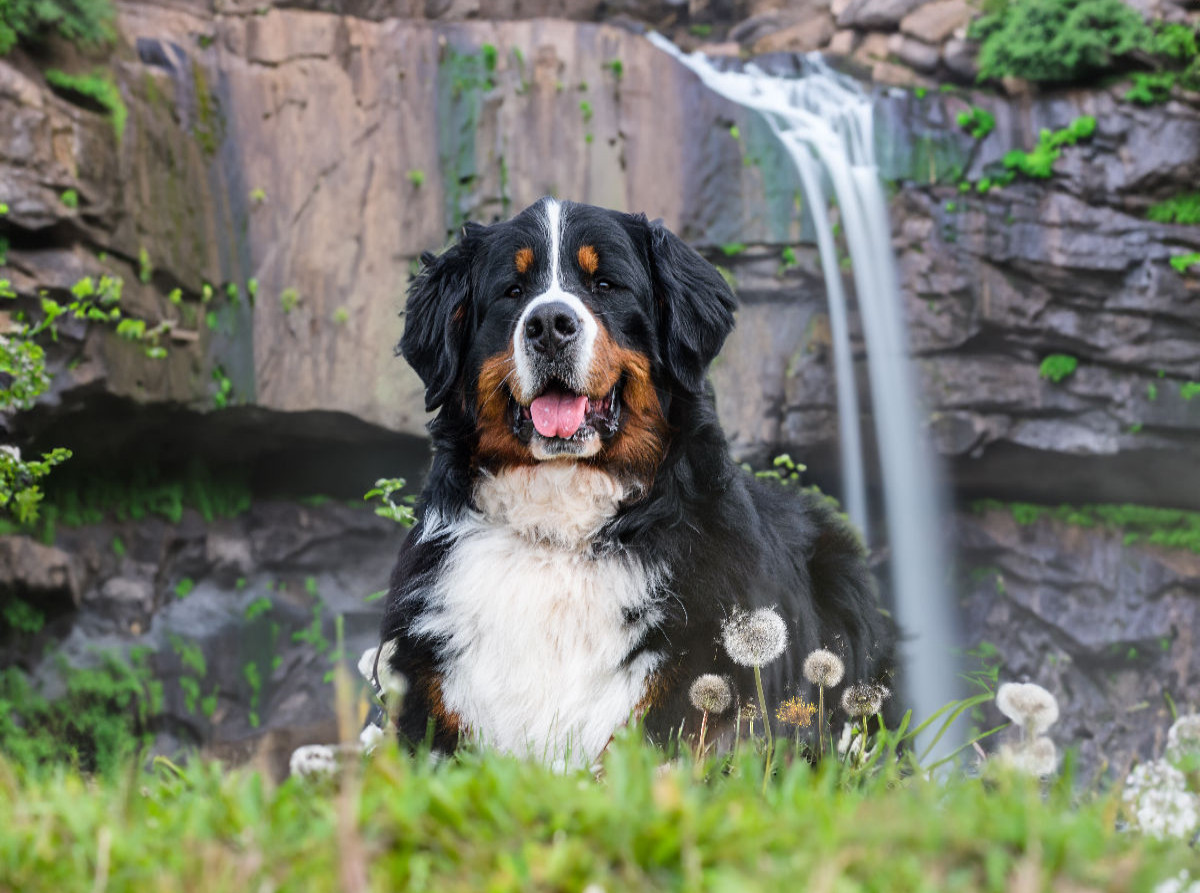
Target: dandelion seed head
756 638
1038 758
749 711
710 693
864 698
1183 739
1028 705
824 668
796 712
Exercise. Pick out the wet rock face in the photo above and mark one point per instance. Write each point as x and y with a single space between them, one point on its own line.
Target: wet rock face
1109 628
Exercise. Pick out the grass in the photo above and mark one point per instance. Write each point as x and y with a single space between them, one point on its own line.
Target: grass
489 822
1166 527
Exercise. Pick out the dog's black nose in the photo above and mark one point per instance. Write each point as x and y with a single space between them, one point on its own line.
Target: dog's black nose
551 327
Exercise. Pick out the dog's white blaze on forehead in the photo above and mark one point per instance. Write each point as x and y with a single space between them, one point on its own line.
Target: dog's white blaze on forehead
535 629
553 227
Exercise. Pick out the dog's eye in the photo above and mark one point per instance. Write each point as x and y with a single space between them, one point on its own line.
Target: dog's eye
515 292
603 285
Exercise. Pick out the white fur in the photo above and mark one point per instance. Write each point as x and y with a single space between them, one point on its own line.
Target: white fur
556 292
534 623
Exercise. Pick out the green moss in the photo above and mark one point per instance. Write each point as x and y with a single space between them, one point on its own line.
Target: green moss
209 126
1189 389
1169 528
1057 366
97 87
462 81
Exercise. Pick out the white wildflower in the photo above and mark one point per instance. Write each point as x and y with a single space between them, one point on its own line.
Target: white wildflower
1158 801
1028 705
754 639
1155 775
1167 813
1183 740
370 737
824 668
710 693
366 665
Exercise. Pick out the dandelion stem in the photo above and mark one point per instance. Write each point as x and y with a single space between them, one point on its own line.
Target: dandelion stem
762 701
821 721
700 746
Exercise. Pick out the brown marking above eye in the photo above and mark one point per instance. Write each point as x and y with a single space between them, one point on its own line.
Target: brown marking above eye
588 259
524 259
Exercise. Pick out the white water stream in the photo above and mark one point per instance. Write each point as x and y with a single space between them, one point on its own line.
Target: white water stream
826 123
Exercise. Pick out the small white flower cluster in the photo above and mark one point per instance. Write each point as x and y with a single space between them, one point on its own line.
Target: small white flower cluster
1033 710
1156 794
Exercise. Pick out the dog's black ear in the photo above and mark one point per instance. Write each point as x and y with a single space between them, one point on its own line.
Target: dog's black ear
696 306
438 317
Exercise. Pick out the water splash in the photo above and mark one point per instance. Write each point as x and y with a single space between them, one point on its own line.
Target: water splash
826 123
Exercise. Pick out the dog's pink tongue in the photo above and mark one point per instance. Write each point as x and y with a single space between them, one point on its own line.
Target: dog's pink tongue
558 415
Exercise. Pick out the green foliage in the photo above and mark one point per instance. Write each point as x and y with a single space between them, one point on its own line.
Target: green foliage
1189 389
145 268
784 470
1057 366
1169 528
88 23
258 195
486 821
21 617
416 177
617 67
733 249
384 490
70 199
1055 41
1177 60
1181 262
184 587
490 56
288 299
1151 88
223 395
99 721
257 608
700 30
144 494
252 289
341 316
977 122
1183 208
585 109
1039 162
97 87
20 494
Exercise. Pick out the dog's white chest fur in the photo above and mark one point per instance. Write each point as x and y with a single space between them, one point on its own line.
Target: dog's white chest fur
535 627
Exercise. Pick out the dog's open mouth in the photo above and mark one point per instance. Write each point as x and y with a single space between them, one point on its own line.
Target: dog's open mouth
562 417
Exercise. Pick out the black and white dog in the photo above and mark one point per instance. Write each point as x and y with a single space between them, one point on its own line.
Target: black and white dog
583 531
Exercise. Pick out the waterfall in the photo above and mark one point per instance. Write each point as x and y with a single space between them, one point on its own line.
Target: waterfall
825 121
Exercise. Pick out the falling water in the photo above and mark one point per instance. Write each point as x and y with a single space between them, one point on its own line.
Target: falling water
826 124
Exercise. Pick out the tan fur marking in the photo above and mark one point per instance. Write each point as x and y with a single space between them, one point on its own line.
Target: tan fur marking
638 447
437 705
497 445
588 259
524 259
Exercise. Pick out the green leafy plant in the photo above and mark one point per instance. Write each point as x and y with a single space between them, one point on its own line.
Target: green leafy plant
617 67
288 299
145 268
223 395
341 316
1189 389
88 23
1055 41
184 587
385 490
585 109
977 122
70 199
416 177
1057 366
1183 209
98 88
733 249
1181 262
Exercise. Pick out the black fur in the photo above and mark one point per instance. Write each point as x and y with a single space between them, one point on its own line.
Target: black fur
730 541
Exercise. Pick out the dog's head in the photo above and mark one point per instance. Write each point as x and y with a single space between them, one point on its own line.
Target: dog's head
562 331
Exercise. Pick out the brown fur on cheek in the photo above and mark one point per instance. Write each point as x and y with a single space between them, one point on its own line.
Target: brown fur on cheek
437 705
639 444
498 446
